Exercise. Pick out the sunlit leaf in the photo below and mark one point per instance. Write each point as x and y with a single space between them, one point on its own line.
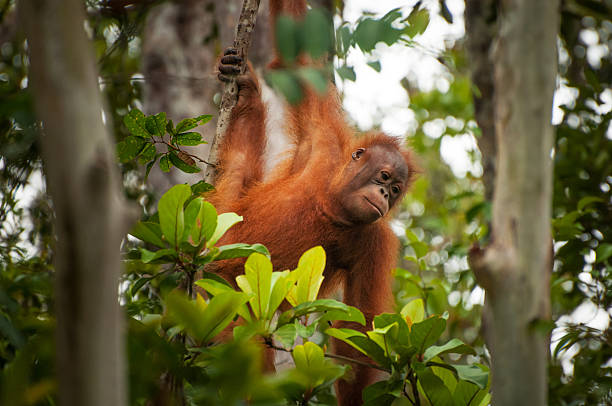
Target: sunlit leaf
224 222
171 216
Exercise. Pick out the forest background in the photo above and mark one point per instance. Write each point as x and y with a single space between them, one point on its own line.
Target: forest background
158 57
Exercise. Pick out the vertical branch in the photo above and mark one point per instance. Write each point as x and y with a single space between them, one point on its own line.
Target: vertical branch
84 184
244 29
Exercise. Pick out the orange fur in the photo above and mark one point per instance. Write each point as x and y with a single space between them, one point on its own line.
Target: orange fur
293 210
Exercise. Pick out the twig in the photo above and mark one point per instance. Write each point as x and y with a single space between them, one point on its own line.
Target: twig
242 41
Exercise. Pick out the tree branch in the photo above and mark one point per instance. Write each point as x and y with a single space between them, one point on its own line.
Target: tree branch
244 30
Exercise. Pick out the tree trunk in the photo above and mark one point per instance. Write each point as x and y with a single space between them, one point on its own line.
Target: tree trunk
85 189
515 269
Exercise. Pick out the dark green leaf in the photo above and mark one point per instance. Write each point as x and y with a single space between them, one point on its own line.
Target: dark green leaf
240 250
437 393
427 332
287 39
375 65
472 373
148 232
135 121
454 346
166 255
147 153
156 124
316 33
201 187
129 148
346 72
603 252
189 138
164 163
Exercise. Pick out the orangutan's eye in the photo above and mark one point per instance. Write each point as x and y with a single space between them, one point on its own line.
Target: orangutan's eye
385 175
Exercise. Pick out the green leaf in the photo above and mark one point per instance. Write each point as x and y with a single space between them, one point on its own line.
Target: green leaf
201 187
347 72
257 281
165 255
286 335
360 342
171 216
147 153
588 200
343 40
135 121
466 393
312 369
190 123
603 252
190 138
316 33
350 313
224 222
309 276
178 162
287 40
366 34
427 332
204 323
472 373
435 390
280 285
164 163
315 77
129 148
414 311
190 214
378 394
148 232
240 250
287 83
375 65
216 287
418 21
156 124
454 346
319 306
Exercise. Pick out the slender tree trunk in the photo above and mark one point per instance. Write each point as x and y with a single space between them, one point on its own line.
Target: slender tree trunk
84 186
515 268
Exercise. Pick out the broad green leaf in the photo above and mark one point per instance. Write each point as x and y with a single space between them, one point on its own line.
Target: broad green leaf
343 40
427 332
205 223
379 336
165 255
308 355
148 232
129 148
135 121
309 276
281 283
360 342
381 393
287 83
287 41
171 216
286 335
240 250
454 346
189 138
414 311
435 390
603 252
224 222
190 123
304 331
316 33
311 367
366 34
205 324
398 336
321 305
257 280
156 124
216 287
346 72
350 313
472 373
468 393
147 153
190 214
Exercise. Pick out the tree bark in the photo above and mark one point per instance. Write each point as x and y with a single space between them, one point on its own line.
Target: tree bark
515 269
84 186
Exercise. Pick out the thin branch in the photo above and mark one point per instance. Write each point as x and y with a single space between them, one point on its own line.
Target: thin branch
242 41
